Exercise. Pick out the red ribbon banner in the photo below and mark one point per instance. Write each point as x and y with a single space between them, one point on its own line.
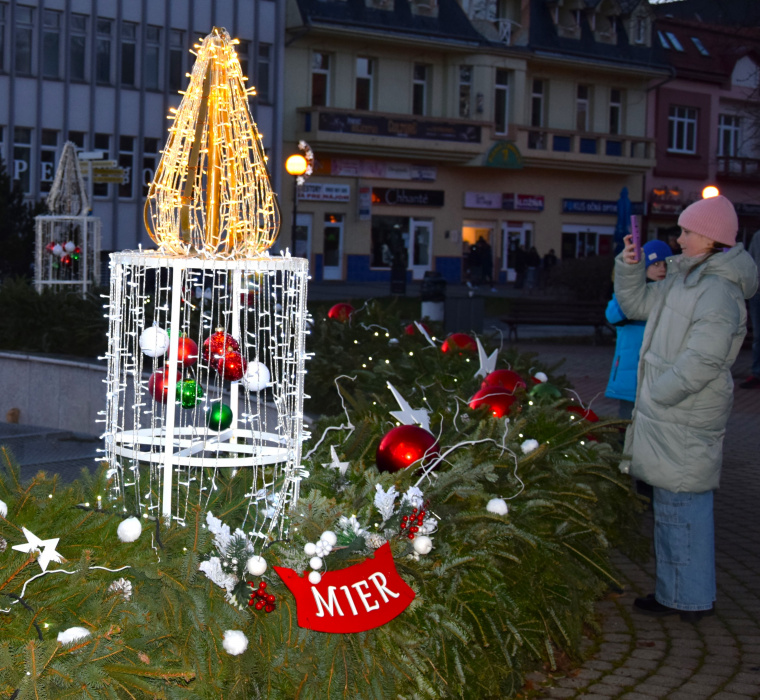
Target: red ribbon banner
359 598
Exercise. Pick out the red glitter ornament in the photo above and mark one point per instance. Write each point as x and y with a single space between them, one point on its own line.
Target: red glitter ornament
496 398
459 341
232 366
411 329
158 384
585 413
340 312
218 344
403 446
505 378
187 352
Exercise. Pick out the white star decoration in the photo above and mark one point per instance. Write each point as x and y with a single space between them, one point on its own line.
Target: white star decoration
406 415
487 362
34 544
336 463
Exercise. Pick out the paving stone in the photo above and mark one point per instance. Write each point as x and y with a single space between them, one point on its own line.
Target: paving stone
637 695
574 682
675 671
648 653
592 696
745 677
690 691
617 637
599 664
725 695
559 692
746 688
618 680
590 674
630 672
613 647
646 664
603 690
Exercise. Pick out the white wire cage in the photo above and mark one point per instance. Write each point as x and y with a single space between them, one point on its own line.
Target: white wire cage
67 252
205 372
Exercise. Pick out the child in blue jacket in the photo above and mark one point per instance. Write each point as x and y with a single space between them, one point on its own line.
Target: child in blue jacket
630 334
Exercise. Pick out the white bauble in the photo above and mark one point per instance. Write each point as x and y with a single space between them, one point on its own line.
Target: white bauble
256 377
154 341
315 563
315 577
330 537
498 506
256 566
58 250
234 642
73 634
3 509
310 549
321 551
70 247
422 544
129 530
541 377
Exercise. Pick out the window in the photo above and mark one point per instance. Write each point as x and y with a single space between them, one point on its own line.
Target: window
501 101
729 132
128 53
102 142
2 37
150 163
77 138
582 107
700 46
419 88
663 41
641 30
77 46
537 104
151 57
682 130
264 77
320 79
243 51
22 61
48 152
363 83
176 41
22 157
674 41
465 91
615 110
51 44
103 51
126 161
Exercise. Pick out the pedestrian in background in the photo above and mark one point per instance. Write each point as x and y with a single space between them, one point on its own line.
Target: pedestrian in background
533 262
753 381
696 322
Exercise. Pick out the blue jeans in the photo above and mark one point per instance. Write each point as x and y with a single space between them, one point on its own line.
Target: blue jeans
754 315
684 546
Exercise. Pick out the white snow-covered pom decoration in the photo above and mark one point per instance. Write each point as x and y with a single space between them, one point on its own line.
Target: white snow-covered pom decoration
330 537
310 549
528 446
541 377
498 506
154 341
73 634
256 566
315 563
234 642
129 530
70 246
393 341
58 250
256 377
315 577
422 544
3 509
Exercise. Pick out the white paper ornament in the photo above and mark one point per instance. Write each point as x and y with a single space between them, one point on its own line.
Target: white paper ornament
315 577
256 566
330 537
422 544
72 634
58 250
129 530
70 246
498 506
541 377
310 549
3 509
315 563
256 377
154 341
234 642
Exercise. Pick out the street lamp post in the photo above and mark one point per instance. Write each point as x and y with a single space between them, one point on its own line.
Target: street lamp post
296 165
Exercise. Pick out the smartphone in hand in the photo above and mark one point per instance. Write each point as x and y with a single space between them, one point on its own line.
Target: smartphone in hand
636 237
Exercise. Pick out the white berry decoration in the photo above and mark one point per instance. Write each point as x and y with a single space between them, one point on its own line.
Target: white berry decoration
315 577
498 506
256 566
315 563
422 544
234 642
310 549
73 634
330 537
3 509
129 530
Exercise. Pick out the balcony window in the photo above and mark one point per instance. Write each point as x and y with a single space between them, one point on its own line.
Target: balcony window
729 133
420 88
465 91
537 103
682 129
582 108
501 101
176 53
616 107
364 79
320 79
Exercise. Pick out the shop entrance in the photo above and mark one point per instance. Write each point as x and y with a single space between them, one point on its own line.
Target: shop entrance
420 245
333 247
514 234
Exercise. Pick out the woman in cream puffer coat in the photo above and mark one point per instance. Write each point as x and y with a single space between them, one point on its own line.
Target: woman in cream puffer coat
696 322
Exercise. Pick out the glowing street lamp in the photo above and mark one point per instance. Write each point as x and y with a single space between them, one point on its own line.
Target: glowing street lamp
296 165
710 191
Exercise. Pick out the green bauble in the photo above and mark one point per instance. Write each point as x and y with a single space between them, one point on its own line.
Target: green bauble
189 392
219 416
545 391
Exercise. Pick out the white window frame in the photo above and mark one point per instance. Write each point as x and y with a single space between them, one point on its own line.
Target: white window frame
365 71
51 29
317 69
682 129
501 98
729 129
420 84
582 107
616 111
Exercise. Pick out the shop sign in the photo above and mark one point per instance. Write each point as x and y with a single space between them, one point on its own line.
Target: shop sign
359 167
522 202
597 206
365 203
324 192
397 197
482 200
398 127
666 200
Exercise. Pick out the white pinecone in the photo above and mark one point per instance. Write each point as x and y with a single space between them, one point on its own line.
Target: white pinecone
3 544
375 541
122 587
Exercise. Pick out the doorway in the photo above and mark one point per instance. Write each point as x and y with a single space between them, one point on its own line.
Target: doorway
420 245
513 235
333 247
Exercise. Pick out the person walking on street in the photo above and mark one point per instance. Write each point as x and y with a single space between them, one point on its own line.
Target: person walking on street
696 322
753 381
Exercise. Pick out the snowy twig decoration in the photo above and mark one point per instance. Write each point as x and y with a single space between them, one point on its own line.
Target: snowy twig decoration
385 501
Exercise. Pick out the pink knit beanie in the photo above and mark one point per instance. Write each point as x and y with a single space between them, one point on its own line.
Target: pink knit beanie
714 218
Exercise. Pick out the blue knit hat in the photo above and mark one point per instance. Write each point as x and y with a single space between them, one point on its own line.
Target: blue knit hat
654 251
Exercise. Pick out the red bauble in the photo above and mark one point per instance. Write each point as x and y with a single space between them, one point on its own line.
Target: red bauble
403 446
411 329
504 378
340 312
496 398
585 413
459 341
158 384
232 366
217 345
187 352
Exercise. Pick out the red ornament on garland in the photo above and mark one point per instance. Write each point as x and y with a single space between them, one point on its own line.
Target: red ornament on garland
218 344
187 351
260 599
403 446
232 366
585 413
411 329
459 341
496 398
340 312
158 384
505 378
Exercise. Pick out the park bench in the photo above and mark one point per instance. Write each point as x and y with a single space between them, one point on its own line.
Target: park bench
543 312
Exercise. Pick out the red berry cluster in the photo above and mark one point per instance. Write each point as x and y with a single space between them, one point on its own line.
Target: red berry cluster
411 524
265 600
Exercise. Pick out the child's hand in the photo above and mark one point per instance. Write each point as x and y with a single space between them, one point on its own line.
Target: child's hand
629 252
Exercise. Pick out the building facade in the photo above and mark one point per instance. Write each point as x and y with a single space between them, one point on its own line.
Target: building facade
104 74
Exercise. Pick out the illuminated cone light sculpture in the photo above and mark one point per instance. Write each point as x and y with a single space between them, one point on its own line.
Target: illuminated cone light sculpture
188 321
67 241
